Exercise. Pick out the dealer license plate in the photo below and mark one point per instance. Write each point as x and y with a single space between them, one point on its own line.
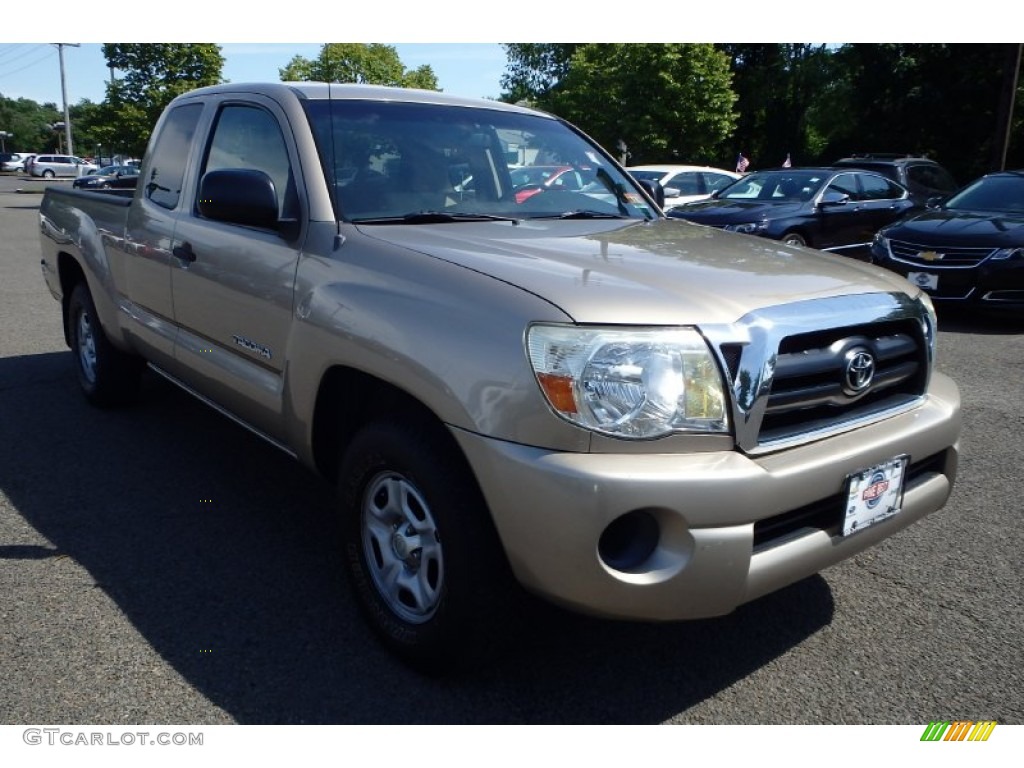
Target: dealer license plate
926 280
874 494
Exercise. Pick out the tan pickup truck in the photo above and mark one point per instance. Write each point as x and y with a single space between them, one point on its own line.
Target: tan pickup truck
547 383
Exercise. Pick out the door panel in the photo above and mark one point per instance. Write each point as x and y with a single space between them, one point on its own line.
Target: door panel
233 285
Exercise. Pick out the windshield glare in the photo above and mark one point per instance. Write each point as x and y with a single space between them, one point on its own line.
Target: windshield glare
1002 194
389 160
775 186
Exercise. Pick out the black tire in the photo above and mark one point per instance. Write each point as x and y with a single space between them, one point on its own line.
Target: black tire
420 550
48 174
107 376
794 238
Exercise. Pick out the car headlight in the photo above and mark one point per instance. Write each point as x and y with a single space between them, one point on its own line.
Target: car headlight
752 228
1004 254
637 383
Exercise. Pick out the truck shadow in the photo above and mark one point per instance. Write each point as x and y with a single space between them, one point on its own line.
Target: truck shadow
222 553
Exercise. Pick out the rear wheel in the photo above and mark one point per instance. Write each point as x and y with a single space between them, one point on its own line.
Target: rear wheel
420 550
107 375
48 174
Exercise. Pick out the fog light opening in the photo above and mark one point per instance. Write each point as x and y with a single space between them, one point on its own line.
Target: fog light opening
629 541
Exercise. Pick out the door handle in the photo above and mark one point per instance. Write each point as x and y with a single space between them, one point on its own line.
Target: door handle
184 252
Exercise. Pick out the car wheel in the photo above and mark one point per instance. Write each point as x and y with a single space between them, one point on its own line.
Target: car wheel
106 375
793 238
420 550
105 185
48 174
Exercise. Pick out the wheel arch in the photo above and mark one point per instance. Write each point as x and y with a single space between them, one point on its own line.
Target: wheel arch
348 399
70 274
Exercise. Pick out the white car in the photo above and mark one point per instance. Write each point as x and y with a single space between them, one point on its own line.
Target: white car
13 161
49 166
684 183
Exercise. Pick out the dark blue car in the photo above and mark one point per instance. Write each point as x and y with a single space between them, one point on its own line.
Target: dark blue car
827 208
968 249
110 177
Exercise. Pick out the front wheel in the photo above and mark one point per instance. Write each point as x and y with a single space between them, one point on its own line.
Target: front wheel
793 238
106 375
420 550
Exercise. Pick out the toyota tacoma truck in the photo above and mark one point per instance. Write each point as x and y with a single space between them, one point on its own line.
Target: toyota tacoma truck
553 388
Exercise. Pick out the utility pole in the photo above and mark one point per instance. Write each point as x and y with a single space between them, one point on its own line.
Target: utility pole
1011 71
64 94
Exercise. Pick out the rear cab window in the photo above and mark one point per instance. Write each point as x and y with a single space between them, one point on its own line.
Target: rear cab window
166 171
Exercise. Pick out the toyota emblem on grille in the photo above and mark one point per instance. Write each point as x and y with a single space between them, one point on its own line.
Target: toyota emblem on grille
860 370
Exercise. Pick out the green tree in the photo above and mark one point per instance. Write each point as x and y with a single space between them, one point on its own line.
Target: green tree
152 74
936 99
373 63
666 102
29 122
532 69
779 86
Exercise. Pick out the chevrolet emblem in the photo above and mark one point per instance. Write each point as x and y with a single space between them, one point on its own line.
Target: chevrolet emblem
931 256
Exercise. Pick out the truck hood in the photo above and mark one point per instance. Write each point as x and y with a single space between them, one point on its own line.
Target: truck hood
664 272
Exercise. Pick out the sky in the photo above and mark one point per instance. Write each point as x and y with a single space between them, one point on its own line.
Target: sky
32 70
459 39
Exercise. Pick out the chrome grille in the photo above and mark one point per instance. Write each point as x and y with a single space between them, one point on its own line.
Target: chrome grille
937 257
871 360
809 391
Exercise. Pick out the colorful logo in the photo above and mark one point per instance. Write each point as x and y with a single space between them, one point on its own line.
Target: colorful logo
873 493
958 730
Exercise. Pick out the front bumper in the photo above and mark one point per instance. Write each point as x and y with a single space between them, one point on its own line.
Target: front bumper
993 283
724 520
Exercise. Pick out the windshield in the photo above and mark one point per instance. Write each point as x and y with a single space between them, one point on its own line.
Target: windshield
390 161
775 186
1001 194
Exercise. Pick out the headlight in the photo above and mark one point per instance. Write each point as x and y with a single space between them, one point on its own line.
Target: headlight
1007 253
637 383
748 229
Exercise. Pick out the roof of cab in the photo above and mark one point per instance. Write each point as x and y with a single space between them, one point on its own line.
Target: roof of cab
309 90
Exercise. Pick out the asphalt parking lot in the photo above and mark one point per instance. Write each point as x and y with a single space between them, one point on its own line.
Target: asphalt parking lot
160 565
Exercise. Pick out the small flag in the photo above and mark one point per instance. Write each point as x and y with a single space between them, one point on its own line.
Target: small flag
787 163
741 163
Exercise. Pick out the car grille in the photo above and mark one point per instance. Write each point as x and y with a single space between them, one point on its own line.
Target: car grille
871 360
809 391
937 257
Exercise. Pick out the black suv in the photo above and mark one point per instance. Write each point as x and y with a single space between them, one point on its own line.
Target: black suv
923 177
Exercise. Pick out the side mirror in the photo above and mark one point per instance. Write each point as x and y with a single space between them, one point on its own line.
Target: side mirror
239 196
655 190
671 192
831 199
934 203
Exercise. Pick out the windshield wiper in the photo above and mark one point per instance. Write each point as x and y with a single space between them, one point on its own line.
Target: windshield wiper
434 217
582 214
